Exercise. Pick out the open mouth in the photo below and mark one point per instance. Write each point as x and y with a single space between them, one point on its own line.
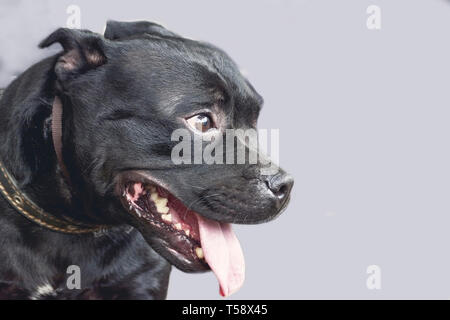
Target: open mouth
186 239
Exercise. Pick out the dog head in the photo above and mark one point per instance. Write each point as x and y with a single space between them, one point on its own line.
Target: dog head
124 96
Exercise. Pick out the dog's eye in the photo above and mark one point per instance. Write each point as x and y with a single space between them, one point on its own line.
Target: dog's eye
201 122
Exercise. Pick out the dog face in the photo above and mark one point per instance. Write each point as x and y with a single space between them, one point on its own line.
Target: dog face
124 96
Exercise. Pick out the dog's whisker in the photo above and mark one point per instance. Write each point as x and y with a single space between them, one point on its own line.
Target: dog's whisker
196 201
200 188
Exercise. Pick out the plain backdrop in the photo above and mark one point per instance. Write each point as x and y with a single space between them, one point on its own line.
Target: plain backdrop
364 129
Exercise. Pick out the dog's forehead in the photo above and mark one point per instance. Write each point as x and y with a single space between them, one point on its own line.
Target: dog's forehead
186 66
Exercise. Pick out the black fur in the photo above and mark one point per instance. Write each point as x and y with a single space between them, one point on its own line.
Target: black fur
123 95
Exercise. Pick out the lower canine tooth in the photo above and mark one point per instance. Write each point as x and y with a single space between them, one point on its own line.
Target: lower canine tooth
167 217
199 253
187 232
178 226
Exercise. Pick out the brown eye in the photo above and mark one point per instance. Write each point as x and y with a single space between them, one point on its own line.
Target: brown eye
201 122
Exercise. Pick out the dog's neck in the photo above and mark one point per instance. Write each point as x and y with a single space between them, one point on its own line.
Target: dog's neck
27 149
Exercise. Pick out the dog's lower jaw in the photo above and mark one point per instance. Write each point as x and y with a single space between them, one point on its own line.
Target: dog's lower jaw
189 241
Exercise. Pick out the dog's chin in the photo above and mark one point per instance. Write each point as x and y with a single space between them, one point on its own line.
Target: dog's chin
164 221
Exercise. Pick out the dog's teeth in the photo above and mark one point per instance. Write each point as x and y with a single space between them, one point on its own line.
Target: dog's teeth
154 196
161 202
167 217
178 226
161 205
199 252
187 232
162 210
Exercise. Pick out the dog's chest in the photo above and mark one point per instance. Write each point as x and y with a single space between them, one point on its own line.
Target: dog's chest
135 283
83 269
47 292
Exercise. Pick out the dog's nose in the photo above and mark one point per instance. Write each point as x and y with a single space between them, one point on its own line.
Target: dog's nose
280 185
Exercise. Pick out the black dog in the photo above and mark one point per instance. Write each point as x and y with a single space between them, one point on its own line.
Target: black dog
96 187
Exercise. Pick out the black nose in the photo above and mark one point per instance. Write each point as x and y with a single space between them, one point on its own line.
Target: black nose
280 185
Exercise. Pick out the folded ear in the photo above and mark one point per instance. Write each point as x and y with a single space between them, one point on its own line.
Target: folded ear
83 50
118 30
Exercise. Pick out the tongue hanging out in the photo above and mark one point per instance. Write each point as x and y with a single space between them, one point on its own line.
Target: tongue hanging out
223 253
219 246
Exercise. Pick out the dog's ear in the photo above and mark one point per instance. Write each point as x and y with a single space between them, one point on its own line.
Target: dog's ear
116 30
83 51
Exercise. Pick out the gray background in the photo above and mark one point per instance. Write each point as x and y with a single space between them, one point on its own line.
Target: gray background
363 118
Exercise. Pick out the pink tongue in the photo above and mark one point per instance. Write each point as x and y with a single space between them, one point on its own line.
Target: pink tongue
223 253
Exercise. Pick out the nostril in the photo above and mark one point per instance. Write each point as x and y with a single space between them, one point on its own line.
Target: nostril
280 185
282 192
